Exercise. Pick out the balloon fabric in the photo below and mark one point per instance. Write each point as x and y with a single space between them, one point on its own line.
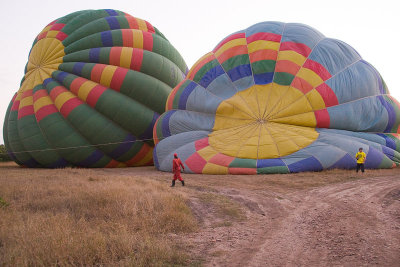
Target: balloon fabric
94 85
279 98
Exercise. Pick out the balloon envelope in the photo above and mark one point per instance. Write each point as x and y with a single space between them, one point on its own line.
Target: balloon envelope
278 98
94 85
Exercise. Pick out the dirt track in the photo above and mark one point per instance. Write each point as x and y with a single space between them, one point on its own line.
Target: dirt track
353 223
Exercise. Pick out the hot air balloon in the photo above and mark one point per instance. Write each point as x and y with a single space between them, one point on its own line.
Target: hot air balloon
94 85
279 98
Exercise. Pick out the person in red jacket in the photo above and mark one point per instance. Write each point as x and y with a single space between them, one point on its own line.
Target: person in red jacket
176 168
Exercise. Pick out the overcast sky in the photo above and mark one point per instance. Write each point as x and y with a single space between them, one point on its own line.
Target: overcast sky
195 27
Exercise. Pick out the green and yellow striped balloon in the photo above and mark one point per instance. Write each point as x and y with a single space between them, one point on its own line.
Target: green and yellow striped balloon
94 85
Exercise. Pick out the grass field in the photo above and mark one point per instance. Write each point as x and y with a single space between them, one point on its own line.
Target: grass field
82 217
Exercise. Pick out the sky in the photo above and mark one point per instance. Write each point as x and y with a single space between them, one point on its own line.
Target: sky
196 27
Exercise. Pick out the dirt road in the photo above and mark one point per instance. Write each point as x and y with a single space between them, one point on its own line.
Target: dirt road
340 219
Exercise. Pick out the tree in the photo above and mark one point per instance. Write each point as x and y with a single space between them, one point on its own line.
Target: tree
3 154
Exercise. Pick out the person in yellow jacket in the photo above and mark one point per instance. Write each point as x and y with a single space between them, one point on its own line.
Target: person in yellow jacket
360 156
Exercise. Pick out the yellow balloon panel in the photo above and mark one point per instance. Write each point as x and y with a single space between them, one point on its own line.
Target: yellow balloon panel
303 119
292 101
246 125
211 168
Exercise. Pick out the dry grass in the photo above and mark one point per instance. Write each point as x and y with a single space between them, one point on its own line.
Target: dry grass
85 217
224 207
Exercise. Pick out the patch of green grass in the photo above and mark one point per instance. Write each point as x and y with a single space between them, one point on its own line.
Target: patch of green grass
3 203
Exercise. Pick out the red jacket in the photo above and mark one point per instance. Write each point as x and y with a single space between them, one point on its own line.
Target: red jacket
176 164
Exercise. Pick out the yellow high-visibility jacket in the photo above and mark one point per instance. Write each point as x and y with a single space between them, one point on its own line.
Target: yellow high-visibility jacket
360 156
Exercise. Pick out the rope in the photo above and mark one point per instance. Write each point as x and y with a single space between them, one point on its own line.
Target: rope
75 147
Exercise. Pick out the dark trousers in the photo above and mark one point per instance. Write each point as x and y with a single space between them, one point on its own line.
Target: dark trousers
360 166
